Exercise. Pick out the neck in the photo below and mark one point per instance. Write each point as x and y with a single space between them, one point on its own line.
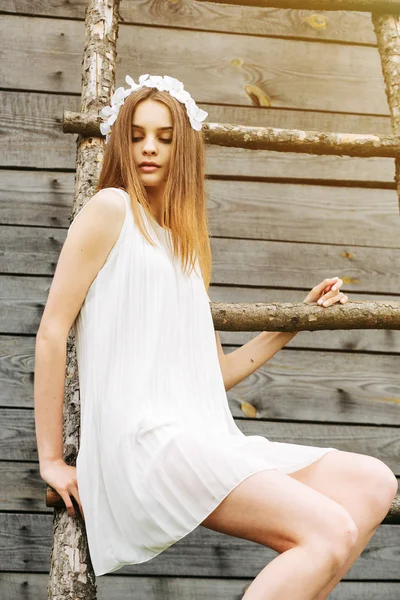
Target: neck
155 197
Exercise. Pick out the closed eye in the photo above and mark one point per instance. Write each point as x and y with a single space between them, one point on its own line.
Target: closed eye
135 139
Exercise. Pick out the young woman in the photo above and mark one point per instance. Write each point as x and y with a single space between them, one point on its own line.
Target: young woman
160 452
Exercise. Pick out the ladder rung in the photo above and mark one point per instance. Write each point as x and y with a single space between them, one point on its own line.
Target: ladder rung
361 145
300 316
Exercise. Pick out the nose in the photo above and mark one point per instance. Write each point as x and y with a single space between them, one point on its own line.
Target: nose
149 147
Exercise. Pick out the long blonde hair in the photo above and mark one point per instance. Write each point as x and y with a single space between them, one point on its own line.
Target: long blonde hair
185 202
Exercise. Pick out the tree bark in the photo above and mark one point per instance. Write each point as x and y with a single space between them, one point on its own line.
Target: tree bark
268 138
305 317
71 572
387 29
297 140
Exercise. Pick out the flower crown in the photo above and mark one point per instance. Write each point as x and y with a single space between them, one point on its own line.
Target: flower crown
165 84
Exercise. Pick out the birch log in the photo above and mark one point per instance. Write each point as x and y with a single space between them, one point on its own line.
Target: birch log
71 572
387 29
306 317
269 138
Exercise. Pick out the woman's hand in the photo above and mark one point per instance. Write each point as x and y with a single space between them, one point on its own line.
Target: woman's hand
327 293
62 478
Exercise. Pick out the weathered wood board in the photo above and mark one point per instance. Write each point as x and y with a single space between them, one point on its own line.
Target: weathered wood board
31 586
279 223
25 547
217 68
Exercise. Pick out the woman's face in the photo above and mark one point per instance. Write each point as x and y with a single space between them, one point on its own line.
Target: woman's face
151 138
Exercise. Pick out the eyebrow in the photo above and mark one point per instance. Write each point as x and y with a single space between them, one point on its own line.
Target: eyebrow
158 128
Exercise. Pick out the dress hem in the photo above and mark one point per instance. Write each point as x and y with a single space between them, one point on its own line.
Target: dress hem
286 470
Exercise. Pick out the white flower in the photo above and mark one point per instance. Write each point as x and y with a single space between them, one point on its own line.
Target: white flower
129 81
196 115
118 96
169 84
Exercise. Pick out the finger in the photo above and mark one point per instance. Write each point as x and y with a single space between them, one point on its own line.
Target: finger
327 282
344 299
337 285
333 300
333 288
68 503
327 297
339 297
75 493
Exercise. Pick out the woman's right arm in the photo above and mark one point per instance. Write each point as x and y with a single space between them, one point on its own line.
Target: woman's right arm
91 238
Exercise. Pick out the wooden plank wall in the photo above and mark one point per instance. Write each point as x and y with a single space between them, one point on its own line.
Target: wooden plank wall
280 223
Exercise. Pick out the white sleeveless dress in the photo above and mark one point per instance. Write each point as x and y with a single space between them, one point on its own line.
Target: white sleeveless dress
159 448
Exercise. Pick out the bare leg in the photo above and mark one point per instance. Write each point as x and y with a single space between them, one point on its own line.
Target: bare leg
297 573
313 533
361 544
363 485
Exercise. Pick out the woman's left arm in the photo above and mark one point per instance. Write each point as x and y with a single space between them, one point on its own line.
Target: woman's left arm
243 361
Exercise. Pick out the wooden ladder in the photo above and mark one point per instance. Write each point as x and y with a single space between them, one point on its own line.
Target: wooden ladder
98 83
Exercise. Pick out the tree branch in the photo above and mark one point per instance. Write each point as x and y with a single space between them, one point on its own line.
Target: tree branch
305 317
268 138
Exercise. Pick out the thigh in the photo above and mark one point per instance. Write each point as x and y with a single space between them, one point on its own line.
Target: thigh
361 483
277 511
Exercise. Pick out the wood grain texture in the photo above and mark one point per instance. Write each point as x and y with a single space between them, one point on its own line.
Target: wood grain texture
262 263
285 58
42 144
264 210
25 545
324 386
22 308
216 68
388 6
304 213
31 586
18 443
35 251
23 489
354 27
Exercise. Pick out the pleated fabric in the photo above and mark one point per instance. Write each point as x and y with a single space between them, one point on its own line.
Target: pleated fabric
159 448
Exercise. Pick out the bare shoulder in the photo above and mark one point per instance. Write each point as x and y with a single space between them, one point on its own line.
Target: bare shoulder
91 238
106 206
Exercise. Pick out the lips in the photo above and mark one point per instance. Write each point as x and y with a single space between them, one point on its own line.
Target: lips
145 164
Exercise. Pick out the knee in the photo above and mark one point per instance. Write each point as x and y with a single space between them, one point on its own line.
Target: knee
380 485
335 542
344 541
388 481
